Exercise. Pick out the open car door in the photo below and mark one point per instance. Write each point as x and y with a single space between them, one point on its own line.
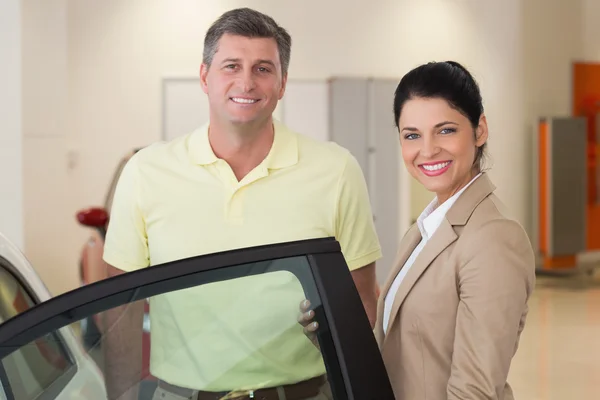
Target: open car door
276 277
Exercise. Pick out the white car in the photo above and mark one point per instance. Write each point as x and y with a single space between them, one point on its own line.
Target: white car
54 366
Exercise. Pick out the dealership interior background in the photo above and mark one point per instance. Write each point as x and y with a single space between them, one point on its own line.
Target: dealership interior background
84 82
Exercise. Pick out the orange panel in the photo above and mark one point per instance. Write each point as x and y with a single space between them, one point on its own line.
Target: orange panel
586 102
586 86
593 227
543 186
555 263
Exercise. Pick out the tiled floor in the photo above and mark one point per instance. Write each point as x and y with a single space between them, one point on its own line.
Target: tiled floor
559 353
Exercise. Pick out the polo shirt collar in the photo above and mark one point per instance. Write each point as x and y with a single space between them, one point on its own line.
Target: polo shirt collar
199 147
283 153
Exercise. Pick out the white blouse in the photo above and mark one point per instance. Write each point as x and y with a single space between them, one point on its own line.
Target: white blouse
428 222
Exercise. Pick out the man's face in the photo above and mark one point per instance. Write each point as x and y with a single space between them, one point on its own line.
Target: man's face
244 81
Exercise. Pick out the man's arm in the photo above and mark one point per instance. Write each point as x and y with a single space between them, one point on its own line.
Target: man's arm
122 347
355 230
125 249
366 283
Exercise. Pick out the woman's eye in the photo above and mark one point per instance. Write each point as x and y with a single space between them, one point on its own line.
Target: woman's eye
411 136
447 131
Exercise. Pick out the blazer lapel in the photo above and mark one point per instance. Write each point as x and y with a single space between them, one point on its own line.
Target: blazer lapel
461 211
442 238
412 239
408 244
457 216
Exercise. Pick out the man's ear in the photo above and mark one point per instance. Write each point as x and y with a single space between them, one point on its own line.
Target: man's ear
283 86
203 75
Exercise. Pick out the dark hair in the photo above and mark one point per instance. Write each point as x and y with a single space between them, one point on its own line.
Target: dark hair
248 23
446 80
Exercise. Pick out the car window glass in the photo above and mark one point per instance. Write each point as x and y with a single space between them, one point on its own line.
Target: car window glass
32 369
3 395
233 329
13 297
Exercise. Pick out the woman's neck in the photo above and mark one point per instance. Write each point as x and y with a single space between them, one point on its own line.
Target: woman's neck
446 195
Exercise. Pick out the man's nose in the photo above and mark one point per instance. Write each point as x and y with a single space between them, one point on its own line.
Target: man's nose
247 82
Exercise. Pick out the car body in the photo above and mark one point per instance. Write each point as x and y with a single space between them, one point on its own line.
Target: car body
57 363
280 275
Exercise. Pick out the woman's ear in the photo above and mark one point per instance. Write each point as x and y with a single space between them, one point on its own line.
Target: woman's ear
481 133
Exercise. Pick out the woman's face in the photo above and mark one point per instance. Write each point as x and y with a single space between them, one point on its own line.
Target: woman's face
439 145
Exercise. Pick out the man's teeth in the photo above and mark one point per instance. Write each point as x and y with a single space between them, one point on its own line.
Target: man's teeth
435 167
243 101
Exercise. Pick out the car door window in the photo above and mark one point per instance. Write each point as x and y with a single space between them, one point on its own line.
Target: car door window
3 395
45 364
226 324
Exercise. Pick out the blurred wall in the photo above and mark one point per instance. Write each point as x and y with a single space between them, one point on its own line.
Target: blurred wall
110 60
11 174
591 30
552 41
51 186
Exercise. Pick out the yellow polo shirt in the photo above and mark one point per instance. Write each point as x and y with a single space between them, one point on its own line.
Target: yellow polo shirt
177 200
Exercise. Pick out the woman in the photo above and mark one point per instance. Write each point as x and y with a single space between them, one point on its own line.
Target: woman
452 310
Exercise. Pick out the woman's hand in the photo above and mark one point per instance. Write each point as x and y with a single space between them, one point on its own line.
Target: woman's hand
306 319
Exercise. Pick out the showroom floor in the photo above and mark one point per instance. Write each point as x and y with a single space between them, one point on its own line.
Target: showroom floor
559 353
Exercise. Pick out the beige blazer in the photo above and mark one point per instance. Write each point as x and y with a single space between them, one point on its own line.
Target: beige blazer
459 312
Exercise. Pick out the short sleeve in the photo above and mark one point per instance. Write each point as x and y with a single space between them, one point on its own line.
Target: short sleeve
355 229
126 244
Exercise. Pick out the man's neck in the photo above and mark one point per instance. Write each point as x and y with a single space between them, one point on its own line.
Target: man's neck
244 147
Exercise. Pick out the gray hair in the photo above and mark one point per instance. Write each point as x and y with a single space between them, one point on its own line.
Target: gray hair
248 23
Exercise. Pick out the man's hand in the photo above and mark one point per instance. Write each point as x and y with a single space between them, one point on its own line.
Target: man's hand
306 320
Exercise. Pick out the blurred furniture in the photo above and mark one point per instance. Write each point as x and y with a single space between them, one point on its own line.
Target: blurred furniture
567 177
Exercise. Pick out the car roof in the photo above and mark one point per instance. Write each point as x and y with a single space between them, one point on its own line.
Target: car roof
11 253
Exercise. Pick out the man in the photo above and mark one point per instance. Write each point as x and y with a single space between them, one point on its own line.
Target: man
242 180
